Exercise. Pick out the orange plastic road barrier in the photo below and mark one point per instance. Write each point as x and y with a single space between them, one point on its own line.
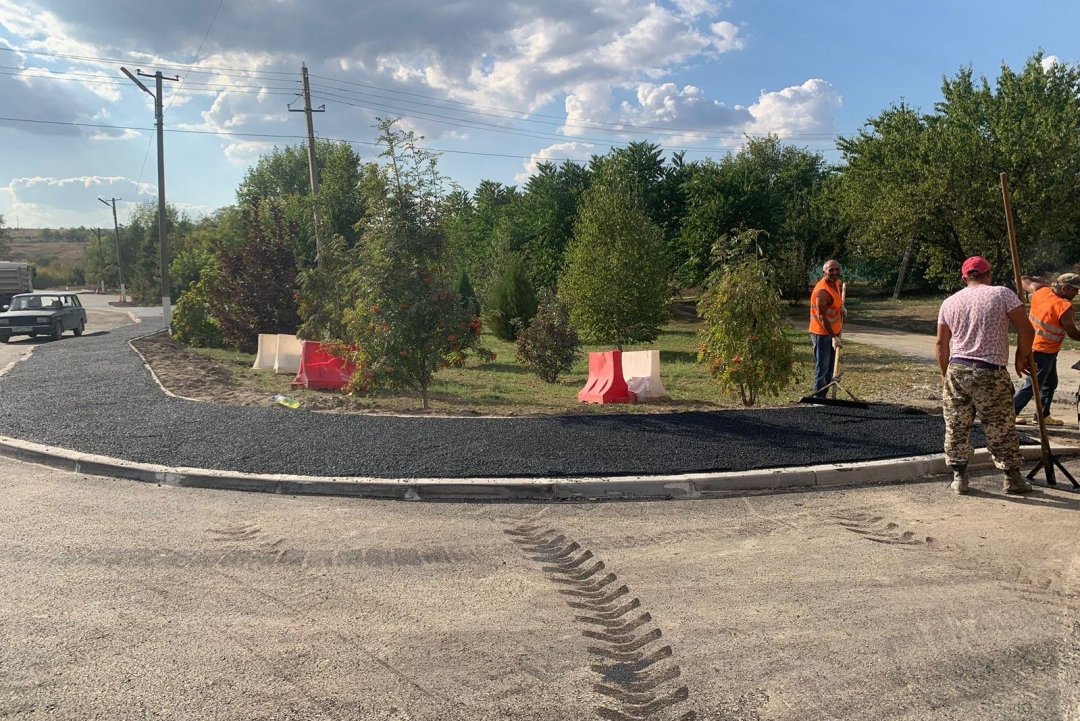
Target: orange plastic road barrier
606 383
321 371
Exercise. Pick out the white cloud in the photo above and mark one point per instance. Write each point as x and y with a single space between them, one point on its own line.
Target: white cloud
109 134
695 8
555 153
247 152
511 55
1050 61
727 37
685 111
796 110
44 201
588 105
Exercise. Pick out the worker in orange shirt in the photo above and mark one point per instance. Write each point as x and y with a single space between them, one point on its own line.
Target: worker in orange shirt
826 323
1052 316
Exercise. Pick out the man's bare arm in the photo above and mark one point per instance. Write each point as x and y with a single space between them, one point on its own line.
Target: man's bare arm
1025 336
944 337
1068 322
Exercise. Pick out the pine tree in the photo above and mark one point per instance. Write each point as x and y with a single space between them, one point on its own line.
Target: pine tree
513 300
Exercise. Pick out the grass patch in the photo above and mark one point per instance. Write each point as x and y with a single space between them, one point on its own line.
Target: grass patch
915 314
504 387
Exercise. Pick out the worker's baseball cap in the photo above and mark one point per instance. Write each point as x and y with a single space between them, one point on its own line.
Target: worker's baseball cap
975 265
1070 279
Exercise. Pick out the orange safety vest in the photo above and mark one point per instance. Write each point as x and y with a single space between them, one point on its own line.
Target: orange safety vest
832 313
1047 307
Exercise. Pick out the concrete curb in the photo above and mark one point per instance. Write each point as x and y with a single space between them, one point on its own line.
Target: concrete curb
683 486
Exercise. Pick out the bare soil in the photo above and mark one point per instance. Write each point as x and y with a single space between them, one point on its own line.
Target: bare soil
191 375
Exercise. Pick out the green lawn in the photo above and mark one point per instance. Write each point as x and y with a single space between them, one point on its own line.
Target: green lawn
913 314
504 387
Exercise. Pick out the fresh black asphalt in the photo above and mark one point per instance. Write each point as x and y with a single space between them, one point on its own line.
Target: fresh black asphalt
93 395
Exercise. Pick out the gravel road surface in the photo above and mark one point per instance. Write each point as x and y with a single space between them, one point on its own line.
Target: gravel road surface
124 601
94 395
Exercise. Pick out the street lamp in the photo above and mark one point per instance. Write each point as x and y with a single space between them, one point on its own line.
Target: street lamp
116 233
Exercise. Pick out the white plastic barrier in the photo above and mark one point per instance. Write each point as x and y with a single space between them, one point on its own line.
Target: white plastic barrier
278 352
267 353
641 369
288 354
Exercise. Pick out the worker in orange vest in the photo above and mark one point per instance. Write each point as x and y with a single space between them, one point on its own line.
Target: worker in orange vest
1052 316
826 323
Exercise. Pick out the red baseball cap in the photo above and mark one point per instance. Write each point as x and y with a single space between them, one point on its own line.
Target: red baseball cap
975 265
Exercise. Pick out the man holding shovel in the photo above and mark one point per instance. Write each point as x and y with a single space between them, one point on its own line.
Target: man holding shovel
826 322
973 354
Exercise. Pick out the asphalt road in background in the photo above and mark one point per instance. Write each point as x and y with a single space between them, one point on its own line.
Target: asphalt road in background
123 600
97 322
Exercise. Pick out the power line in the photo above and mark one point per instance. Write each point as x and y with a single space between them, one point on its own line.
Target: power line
209 87
248 72
527 116
516 115
195 59
627 129
264 135
525 133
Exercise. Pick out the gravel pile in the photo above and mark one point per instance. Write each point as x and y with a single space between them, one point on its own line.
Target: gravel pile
93 395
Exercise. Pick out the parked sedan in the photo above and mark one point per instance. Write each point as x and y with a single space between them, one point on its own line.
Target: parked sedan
42 313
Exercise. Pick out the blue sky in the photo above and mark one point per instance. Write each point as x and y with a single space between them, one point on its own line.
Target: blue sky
497 85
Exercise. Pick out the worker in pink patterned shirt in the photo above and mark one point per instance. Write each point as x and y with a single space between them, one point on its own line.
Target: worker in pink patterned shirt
973 354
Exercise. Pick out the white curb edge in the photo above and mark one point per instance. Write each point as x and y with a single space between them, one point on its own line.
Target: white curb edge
681 486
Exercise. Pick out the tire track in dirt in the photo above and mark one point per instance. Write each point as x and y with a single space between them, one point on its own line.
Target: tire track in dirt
633 667
879 529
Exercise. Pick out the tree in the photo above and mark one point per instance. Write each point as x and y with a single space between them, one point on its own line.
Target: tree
512 301
283 176
406 321
617 272
658 184
766 186
928 183
549 345
187 267
466 294
253 285
548 209
890 190
743 341
140 251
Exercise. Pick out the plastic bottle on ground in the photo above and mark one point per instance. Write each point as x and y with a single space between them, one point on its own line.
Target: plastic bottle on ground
285 401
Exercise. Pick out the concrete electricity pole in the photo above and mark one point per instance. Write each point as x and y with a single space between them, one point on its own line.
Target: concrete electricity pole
313 163
163 238
116 232
101 263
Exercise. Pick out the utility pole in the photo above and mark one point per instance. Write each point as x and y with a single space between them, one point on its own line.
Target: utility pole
101 263
163 238
313 163
116 232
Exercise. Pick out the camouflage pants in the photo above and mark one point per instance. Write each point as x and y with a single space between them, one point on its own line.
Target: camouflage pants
968 391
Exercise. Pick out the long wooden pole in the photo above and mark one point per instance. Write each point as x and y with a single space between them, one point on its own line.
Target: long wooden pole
1044 440
836 359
